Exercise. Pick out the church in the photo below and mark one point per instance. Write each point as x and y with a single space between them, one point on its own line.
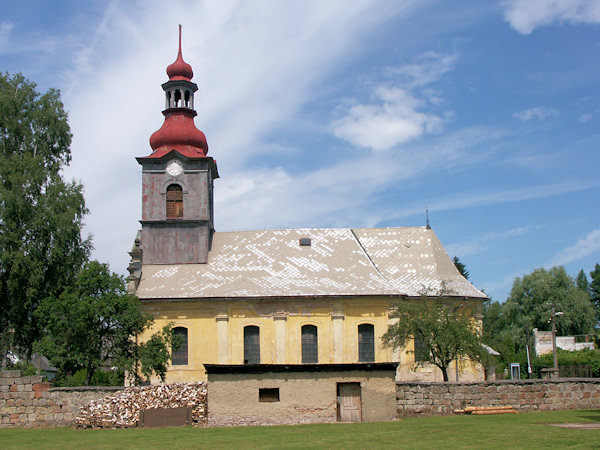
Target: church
310 301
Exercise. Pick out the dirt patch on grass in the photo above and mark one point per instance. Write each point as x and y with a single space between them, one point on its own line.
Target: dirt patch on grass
585 425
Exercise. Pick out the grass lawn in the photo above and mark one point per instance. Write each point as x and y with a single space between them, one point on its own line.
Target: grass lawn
526 430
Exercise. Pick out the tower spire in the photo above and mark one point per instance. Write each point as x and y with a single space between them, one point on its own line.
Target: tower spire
179 53
180 70
179 131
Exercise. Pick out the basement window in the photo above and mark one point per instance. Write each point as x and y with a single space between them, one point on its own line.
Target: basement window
268 395
305 242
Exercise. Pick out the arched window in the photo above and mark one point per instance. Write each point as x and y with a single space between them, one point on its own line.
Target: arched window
366 343
251 345
174 202
180 356
310 344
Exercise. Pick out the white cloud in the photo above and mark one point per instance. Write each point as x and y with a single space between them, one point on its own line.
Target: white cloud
393 120
585 118
425 69
14 41
482 242
538 112
397 111
585 246
5 30
527 15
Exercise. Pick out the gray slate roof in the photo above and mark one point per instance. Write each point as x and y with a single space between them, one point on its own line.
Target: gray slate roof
339 262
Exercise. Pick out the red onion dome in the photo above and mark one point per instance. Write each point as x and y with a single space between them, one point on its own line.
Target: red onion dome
179 132
180 70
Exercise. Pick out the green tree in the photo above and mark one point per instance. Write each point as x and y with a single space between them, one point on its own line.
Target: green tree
154 354
595 288
496 334
461 267
582 281
437 323
41 215
530 302
94 323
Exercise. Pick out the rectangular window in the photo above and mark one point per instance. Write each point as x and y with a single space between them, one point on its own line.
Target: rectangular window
268 395
366 343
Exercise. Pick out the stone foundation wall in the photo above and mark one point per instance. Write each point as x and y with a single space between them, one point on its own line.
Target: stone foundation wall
27 401
524 395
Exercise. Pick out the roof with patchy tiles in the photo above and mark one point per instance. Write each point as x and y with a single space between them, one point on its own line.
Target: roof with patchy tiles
338 262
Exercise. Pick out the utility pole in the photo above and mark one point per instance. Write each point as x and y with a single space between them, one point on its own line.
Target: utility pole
554 353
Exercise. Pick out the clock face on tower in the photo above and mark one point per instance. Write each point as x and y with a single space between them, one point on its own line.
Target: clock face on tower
174 169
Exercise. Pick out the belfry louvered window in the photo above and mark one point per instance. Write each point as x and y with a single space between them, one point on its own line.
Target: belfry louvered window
180 356
174 202
366 343
310 344
251 345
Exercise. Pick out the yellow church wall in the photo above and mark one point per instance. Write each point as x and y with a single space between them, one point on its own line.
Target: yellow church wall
216 333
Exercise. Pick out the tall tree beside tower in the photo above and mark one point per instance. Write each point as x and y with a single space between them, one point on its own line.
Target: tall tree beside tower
41 215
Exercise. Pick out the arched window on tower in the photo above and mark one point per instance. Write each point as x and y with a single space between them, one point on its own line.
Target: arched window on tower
177 98
251 345
310 345
187 99
366 343
174 202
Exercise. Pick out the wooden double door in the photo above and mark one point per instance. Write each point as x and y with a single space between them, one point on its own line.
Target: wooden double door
349 402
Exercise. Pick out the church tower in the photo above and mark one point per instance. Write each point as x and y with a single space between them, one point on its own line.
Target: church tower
177 180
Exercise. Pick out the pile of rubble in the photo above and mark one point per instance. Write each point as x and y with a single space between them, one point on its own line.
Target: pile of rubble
122 410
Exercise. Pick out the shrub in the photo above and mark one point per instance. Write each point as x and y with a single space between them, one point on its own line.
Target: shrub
585 357
100 378
27 369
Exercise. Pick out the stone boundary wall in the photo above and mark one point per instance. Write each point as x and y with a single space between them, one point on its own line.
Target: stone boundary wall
28 401
415 398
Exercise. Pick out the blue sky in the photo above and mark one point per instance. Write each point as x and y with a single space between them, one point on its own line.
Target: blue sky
337 113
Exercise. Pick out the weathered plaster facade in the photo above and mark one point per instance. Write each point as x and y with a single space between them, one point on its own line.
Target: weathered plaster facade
215 333
308 396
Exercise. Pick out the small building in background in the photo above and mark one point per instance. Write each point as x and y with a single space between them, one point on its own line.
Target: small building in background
543 342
